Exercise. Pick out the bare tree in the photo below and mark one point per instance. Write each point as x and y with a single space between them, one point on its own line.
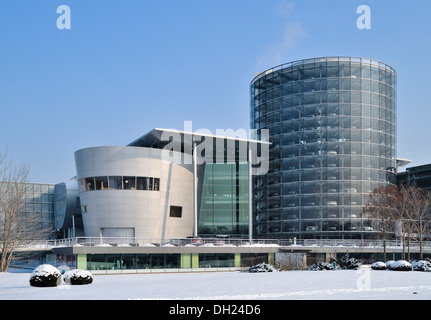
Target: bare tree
404 211
405 224
419 202
19 224
380 207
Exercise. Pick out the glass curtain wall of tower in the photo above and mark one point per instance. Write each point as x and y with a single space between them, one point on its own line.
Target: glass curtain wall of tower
332 124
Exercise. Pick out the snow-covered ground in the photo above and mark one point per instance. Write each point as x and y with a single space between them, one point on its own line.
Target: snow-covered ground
323 285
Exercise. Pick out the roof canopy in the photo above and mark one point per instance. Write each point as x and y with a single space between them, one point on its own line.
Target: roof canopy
184 141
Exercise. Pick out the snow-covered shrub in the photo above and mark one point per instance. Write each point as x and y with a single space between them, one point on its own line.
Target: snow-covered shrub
324 266
421 265
349 263
262 267
78 276
400 265
378 266
45 275
345 262
389 263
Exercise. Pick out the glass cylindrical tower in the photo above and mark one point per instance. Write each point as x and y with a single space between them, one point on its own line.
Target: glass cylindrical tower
332 124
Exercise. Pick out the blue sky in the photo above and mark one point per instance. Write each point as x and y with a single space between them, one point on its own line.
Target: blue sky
126 67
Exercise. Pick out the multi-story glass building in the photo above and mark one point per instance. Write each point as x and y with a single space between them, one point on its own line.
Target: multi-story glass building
419 177
40 201
31 199
332 124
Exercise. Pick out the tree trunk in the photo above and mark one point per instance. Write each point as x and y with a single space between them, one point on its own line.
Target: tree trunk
408 248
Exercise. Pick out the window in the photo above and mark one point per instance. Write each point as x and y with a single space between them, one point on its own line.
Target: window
115 183
142 183
129 183
156 184
175 212
89 184
101 183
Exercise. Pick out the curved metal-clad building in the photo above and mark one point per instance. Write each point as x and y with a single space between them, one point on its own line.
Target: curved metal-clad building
332 124
131 192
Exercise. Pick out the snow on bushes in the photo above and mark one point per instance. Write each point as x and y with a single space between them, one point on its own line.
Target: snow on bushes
45 275
344 262
348 263
78 277
262 267
324 266
378 266
421 265
400 265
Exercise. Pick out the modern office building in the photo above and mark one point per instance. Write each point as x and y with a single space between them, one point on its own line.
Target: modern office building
35 199
332 141
419 177
332 124
40 201
166 184
135 206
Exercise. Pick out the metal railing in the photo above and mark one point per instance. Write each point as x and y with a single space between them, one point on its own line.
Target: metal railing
302 62
209 242
157 242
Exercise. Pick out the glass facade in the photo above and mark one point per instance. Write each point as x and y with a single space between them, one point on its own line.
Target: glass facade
224 199
332 124
216 260
132 261
39 200
164 261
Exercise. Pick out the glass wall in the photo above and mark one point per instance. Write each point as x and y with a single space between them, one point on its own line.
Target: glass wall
172 260
333 133
132 261
216 260
39 200
224 199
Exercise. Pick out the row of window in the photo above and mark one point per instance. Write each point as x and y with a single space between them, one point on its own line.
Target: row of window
119 183
292 106
324 97
155 261
355 70
329 84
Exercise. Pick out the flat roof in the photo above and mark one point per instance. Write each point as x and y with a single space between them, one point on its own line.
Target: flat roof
402 162
159 138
